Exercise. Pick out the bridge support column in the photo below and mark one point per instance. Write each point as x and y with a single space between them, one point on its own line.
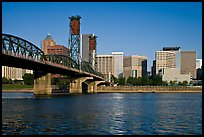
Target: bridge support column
79 85
42 83
96 84
92 85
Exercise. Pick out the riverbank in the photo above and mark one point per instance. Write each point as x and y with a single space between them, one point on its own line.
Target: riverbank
19 90
148 89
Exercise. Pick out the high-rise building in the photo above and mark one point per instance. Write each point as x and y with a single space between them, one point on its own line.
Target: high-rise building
165 59
135 66
85 47
153 69
89 49
188 63
118 64
171 59
49 47
48 41
105 65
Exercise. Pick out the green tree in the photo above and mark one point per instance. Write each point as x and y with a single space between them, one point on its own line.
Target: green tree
165 83
130 81
5 80
28 79
185 83
121 81
180 84
158 80
144 81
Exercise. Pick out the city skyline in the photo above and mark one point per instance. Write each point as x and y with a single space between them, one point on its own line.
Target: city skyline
135 28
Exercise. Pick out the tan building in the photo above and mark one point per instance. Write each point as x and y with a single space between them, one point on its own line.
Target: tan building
171 60
57 49
188 63
48 41
49 47
165 59
173 74
135 66
105 65
14 73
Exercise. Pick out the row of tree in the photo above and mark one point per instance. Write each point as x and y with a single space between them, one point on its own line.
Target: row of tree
143 81
28 79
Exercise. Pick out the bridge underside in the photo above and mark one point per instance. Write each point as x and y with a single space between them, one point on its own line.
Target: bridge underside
80 82
12 61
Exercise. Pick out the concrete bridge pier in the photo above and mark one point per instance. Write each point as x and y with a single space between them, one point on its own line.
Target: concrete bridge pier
84 85
79 86
92 85
42 83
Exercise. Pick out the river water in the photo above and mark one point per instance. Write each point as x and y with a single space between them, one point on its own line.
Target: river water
102 114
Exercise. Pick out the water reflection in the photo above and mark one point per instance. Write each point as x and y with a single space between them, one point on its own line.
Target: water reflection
104 114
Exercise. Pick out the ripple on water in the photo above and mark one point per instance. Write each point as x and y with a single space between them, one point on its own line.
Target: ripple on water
103 114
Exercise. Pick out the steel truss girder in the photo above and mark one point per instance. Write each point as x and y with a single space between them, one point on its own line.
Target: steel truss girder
16 46
62 59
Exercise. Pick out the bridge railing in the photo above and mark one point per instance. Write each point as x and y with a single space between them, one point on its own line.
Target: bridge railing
15 46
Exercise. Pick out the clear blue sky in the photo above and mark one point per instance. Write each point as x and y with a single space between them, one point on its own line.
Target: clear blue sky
133 27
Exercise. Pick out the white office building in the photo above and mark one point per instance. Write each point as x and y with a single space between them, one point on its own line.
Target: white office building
118 64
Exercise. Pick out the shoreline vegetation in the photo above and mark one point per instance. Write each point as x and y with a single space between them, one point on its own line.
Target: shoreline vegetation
115 89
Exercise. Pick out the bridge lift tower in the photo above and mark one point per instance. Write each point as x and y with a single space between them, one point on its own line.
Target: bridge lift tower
74 38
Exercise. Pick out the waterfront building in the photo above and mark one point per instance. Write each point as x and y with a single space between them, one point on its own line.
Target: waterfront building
105 65
165 59
48 41
135 66
173 57
188 63
14 73
173 74
118 64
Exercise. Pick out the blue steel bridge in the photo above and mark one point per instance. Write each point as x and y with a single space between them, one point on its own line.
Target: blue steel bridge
20 53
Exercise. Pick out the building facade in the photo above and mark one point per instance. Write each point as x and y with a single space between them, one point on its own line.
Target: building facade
89 49
188 63
118 64
135 66
165 59
14 73
172 59
85 47
48 41
105 65
49 47
173 74
57 49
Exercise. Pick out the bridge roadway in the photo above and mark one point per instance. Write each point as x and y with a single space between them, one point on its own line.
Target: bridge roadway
19 53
